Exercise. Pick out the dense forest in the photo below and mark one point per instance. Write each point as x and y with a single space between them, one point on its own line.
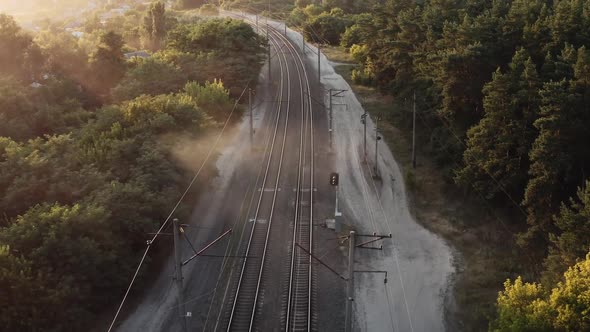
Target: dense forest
504 89
87 141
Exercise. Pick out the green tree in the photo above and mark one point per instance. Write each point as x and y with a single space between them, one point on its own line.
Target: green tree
572 241
27 112
527 307
213 98
154 25
496 158
521 308
549 157
108 63
327 27
42 170
229 49
64 57
19 55
150 76
559 157
75 251
22 293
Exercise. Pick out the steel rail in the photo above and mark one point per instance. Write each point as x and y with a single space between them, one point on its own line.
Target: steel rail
275 190
288 323
300 66
249 245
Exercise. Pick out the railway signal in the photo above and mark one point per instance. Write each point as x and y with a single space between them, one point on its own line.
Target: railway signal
334 178
334 181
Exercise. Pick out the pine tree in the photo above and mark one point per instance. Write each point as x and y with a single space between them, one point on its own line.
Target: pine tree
573 240
496 156
550 159
560 157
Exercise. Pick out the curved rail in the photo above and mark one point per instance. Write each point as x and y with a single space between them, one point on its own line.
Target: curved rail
299 299
300 291
243 307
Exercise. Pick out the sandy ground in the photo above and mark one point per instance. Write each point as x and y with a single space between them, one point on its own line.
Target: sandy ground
419 263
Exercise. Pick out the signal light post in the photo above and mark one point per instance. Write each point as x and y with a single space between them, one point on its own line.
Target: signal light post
334 181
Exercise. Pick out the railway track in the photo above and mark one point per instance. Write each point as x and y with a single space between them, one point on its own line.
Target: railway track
299 312
247 289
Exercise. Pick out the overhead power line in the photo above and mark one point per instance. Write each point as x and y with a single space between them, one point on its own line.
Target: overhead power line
150 242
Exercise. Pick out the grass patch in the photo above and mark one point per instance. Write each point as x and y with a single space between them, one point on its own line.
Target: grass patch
487 255
337 54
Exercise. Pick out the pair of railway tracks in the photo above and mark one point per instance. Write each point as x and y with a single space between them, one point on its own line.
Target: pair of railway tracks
247 290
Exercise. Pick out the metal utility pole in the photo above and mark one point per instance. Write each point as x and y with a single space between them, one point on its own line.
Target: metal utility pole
251 115
414 134
377 138
256 23
269 60
337 212
366 244
331 130
350 288
285 29
333 93
319 71
365 137
303 42
178 277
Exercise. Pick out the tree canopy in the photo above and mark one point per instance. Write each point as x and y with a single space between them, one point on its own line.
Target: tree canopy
502 87
88 151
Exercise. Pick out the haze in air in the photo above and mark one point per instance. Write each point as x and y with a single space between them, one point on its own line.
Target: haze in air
453 131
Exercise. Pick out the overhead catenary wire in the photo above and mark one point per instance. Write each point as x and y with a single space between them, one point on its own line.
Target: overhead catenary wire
186 191
395 255
394 326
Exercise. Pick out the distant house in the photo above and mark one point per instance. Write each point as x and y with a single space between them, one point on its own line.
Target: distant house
77 34
138 54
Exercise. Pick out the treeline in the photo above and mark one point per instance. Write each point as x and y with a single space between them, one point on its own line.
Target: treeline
502 88
87 167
